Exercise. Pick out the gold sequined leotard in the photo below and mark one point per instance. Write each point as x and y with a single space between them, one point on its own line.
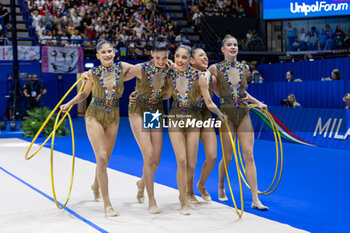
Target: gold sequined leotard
187 103
231 83
150 89
107 88
206 114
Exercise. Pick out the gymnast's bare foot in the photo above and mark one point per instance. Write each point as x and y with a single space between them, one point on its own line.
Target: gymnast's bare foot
205 195
191 198
97 194
153 209
110 212
222 195
140 192
185 210
259 206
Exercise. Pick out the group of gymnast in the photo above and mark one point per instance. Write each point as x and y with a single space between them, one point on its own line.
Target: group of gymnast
191 84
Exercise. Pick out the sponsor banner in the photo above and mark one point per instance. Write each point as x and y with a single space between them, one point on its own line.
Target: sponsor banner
27 53
289 9
62 59
307 126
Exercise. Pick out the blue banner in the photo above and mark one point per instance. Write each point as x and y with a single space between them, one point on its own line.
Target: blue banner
320 127
289 9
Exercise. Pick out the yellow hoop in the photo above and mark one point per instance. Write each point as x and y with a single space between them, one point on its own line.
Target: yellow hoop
52 134
279 151
51 160
48 118
239 212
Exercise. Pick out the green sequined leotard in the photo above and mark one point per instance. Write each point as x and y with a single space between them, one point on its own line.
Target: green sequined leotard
150 89
187 103
231 83
107 88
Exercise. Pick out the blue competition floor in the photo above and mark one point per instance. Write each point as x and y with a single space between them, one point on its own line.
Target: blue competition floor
313 193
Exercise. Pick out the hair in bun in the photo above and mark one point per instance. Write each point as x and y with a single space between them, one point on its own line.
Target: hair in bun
101 42
160 44
186 45
228 36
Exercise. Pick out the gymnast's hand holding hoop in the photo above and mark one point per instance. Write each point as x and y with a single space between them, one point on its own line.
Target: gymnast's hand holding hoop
261 106
222 117
132 98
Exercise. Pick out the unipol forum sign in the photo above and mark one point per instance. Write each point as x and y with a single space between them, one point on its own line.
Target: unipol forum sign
289 9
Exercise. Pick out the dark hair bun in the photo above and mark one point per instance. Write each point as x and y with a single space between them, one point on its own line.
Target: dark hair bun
186 43
160 44
160 38
101 40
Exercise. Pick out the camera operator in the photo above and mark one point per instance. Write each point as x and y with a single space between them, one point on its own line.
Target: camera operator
33 90
290 102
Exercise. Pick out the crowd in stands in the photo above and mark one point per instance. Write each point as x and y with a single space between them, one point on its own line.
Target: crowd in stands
128 21
313 39
252 42
124 20
224 8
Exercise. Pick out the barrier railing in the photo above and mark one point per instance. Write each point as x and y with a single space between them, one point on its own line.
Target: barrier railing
28 20
4 41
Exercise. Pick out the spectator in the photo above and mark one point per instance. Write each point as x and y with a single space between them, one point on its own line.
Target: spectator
249 35
100 27
335 75
45 10
40 4
76 19
253 65
60 86
196 19
33 90
290 76
36 18
256 77
216 10
40 29
329 37
308 57
242 11
77 37
4 15
58 3
9 96
338 37
180 37
221 3
303 40
346 99
176 28
290 102
209 10
346 43
313 41
290 32
256 43
45 38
